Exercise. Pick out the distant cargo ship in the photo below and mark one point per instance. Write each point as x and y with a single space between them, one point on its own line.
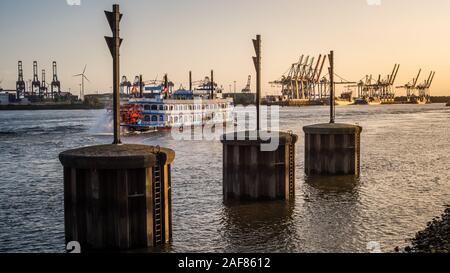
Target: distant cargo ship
346 98
368 101
419 100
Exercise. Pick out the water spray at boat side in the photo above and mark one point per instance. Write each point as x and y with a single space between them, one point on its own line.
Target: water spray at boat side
103 125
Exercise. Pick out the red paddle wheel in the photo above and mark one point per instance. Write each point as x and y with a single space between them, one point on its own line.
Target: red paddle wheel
131 114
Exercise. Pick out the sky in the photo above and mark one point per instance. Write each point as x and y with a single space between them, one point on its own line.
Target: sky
175 36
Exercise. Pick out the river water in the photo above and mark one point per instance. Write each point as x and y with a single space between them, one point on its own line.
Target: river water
405 182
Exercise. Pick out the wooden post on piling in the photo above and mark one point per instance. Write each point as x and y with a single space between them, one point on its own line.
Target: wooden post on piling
114 46
332 91
332 148
257 62
117 197
250 172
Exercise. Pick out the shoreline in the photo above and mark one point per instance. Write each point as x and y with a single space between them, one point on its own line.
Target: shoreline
285 104
435 238
36 107
12 107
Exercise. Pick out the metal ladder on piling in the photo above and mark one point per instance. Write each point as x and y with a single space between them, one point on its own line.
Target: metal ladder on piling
158 208
291 171
358 153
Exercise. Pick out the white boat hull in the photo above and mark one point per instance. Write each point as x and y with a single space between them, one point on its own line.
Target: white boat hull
153 114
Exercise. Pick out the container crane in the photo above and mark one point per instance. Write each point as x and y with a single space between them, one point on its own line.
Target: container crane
247 88
418 93
20 84
43 90
56 84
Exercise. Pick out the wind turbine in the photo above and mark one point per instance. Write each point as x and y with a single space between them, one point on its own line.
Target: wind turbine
83 77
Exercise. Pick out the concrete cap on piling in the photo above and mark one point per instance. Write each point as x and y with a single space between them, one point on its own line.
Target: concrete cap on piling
248 138
332 128
107 157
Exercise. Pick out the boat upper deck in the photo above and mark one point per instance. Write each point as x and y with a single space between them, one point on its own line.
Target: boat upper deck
183 102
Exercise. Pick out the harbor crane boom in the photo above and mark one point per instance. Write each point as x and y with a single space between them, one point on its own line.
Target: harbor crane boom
321 68
395 75
431 80
417 78
316 68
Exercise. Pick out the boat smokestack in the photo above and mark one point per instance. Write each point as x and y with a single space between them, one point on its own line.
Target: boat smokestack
190 80
141 87
166 87
212 84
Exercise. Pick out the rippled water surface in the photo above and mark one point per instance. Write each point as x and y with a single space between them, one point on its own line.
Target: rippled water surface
405 182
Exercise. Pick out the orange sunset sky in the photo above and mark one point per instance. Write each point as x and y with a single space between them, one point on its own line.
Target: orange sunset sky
175 36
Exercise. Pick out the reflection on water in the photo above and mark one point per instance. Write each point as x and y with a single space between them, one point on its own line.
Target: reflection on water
330 211
258 227
404 183
334 184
